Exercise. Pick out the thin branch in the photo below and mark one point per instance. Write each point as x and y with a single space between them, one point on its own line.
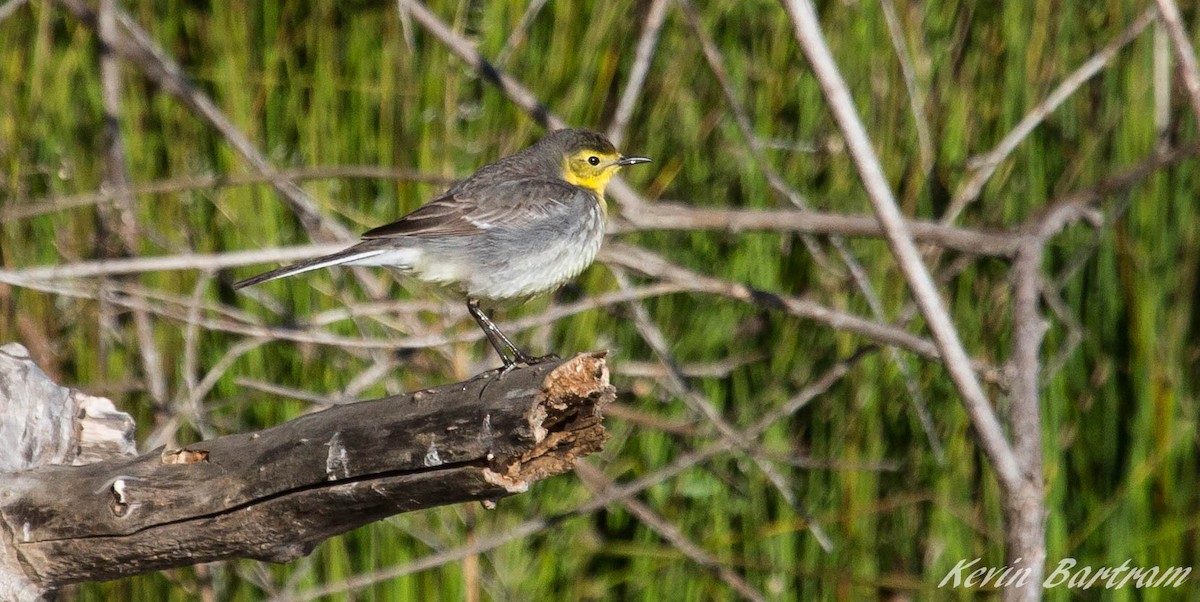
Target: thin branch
1065 316
716 64
665 215
1162 86
983 166
520 31
50 284
513 89
679 386
136 46
916 100
1169 15
718 369
516 92
43 206
598 482
187 401
682 428
10 7
643 54
776 181
291 393
202 262
651 264
958 364
117 178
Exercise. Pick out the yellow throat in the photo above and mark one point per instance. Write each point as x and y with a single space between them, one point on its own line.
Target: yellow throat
593 182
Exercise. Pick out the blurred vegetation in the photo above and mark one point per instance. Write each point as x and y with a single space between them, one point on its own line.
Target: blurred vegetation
333 83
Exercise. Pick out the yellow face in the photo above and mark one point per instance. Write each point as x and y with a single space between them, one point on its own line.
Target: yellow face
591 169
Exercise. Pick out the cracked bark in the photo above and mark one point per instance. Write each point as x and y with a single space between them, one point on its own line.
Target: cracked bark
277 493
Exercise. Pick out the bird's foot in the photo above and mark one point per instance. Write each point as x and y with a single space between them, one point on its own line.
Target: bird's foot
523 360
533 361
508 367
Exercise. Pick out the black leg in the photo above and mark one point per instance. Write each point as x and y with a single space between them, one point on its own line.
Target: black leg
504 347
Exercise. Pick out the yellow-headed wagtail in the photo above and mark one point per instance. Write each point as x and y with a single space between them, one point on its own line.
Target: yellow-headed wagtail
517 228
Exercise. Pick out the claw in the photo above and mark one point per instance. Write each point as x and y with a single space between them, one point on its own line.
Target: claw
508 367
549 357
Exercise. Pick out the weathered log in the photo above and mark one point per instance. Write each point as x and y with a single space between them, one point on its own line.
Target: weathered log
275 494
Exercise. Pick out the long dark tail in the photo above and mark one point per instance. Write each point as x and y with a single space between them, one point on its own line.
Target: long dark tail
354 253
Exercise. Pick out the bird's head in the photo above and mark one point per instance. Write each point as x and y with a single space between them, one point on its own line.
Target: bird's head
589 160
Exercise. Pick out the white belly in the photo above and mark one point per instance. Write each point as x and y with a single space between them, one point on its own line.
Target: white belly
533 274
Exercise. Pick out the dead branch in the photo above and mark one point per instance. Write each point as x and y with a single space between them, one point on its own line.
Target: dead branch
1170 18
983 166
597 481
682 216
27 208
519 94
275 494
945 335
656 16
604 498
133 44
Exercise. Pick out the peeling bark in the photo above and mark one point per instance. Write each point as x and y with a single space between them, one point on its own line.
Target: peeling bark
275 494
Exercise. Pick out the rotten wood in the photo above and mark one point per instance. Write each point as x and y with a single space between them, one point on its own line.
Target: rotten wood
276 493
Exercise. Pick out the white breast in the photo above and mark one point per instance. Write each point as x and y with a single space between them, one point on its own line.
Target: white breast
558 261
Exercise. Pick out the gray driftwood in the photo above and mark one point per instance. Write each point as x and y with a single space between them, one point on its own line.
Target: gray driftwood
275 494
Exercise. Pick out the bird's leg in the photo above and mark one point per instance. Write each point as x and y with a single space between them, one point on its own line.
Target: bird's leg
501 343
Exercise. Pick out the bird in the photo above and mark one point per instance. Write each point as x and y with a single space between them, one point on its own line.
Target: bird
515 229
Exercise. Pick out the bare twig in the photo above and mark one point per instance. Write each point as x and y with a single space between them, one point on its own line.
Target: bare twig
1162 86
642 57
681 216
116 171
292 393
47 280
678 385
987 426
646 262
983 166
1064 314
516 92
520 31
187 402
136 46
10 7
857 273
117 178
1169 15
44 206
808 463
682 428
598 482
716 64
200 262
513 89
718 369
916 100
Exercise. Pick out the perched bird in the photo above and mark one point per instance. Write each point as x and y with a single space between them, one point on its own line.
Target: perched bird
517 228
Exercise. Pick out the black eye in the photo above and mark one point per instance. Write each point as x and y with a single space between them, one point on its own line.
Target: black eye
593 160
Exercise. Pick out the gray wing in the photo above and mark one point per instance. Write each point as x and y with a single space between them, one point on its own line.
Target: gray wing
513 203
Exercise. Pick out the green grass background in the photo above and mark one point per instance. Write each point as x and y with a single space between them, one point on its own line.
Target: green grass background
328 83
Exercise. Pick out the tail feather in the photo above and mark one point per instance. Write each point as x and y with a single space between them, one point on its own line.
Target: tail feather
349 255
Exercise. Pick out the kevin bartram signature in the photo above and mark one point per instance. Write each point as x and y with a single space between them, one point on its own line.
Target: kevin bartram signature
1068 573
